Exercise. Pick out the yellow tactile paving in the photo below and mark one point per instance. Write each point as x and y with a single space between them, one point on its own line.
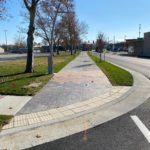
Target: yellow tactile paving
62 109
53 111
21 123
46 118
60 113
57 115
68 112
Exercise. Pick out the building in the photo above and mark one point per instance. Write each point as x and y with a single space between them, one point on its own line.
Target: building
119 46
135 46
146 49
139 47
1 50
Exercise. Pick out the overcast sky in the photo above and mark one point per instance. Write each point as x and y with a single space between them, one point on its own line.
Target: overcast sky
117 18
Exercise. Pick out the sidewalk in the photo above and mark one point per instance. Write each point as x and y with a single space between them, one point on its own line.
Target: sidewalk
10 105
77 89
93 101
78 81
59 127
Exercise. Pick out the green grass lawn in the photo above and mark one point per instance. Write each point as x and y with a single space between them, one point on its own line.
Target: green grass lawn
14 81
116 75
4 120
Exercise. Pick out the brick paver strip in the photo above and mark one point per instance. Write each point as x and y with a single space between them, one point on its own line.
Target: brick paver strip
56 114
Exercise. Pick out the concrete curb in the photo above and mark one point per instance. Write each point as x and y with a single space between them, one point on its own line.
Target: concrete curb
100 105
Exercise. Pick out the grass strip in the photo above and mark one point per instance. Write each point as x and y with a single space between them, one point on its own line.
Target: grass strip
116 75
13 80
4 119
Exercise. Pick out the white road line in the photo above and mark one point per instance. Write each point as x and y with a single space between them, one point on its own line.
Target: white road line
142 127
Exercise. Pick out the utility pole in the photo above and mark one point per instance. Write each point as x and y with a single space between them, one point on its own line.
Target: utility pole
6 38
114 43
125 38
125 41
139 30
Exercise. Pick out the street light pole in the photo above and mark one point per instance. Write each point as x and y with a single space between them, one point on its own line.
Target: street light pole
6 38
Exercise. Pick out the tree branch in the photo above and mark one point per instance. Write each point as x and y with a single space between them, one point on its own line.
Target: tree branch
26 4
37 1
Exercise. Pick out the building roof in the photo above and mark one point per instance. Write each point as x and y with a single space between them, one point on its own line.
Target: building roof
135 40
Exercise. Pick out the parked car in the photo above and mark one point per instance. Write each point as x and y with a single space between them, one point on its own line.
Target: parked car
19 51
16 51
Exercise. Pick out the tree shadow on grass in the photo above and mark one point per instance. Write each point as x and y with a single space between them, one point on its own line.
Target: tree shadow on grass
21 78
13 74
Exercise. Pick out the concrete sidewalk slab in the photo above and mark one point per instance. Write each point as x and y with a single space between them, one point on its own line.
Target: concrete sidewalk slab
10 105
78 81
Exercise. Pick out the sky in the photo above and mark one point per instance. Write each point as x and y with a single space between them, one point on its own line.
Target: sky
117 18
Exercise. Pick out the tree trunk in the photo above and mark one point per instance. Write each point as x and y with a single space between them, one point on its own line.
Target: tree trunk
30 39
50 57
58 47
71 51
58 51
50 64
100 55
104 55
75 49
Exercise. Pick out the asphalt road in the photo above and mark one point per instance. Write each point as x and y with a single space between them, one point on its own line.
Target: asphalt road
121 133
137 64
11 57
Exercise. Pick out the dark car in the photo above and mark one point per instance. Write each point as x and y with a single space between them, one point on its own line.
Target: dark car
23 50
17 51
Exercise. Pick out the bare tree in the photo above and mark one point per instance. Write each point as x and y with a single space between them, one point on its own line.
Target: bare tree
2 9
83 29
49 12
61 34
100 43
57 37
19 41
31 6
69 30
72 31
